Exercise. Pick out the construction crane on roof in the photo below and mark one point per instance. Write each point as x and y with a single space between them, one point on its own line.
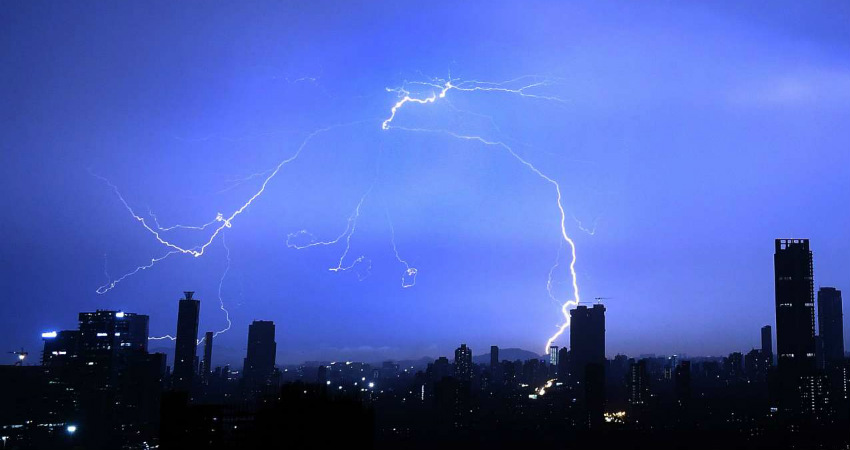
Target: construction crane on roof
22 355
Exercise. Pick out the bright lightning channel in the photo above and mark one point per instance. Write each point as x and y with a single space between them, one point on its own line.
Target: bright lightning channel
220 299
444 88
220 284
218 218
224 222
408 279
110 285
350 227
591 231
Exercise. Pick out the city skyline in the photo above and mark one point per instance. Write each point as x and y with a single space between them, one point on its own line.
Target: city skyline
100 382
289 224
677 167
792 261
165 344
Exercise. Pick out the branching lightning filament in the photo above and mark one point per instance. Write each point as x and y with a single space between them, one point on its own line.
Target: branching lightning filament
408 279
351 226
441 88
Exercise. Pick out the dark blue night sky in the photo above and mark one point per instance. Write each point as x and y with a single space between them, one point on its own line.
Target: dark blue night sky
685 138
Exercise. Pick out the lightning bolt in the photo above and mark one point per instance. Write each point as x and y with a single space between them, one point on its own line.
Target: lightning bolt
439 90
591 231
223 221
220 283
442 87
110 285
220 299
408 279
160 338
106 268
550 283
351 226
218 218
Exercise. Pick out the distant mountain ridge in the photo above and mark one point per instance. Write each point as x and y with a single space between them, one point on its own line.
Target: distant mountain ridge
510 354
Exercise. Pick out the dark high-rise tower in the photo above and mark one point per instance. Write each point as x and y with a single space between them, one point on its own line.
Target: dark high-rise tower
587 338
494 358
206 365
60 347
795 307
767 344
259 363
563 363
463 363
186 342
637 383
108 341
587 358
831 325
682 384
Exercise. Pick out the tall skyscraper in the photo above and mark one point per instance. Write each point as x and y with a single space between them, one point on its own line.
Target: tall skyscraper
638 383
463 363
563 363
440 369
60 347
494 358
259 362
113 330
682 384
587 338
767 344
186 343
206 365
795 307
108 341
553 355
587 358
831 325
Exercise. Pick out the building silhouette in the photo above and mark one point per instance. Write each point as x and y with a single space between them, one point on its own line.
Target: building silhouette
767 344
563 363
440 369
206 365
463 363
494 358
101 379
682 384
587 338
259 362
803 391
587 359
60 347
186 342
553 355
107 341
637 385
795 307
831 325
